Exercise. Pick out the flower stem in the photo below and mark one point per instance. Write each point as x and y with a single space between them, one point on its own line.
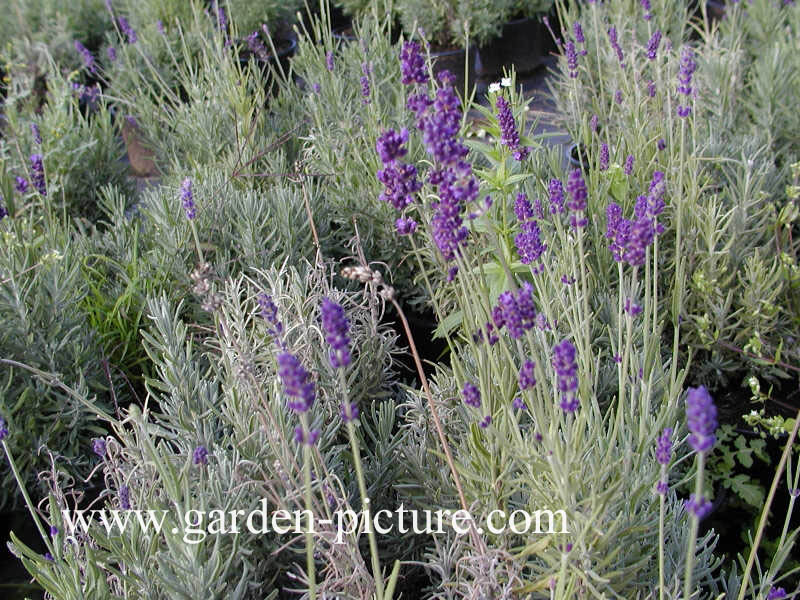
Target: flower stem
310 566
698 491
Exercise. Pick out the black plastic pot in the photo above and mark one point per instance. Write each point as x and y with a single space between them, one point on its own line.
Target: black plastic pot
523 44
285 48
577 156
454 61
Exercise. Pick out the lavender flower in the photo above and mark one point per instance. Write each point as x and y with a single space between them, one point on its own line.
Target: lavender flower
3 215
618 96
664 447
329 60
485 422
577 31
405 226
88 59
566 374
222 18
365 91
53 531
200 456
522 208
348 412
301 437
701 418
632 308
471 395
99 447
572 59
20 184
576 188
37 136
516 312
527 379
646 6
686 70
37 174
617 231
651 89
187 199
776 593
509 136
296 383
604 157
48 557
3 429
335 325
556 190
518 404
124 497
160 27
257 47
612 38
401 183
699 507
529 244
593 123
269 312
661 144
127 30
628 168
111 52
652 45
641 235
412 64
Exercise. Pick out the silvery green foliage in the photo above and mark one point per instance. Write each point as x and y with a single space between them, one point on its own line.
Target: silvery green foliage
219 388
340 135
736 303
52 26
80 145
45 329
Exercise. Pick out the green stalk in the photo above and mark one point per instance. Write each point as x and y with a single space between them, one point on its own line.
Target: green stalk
678 294
28 501
661 540
310 566
698 491
362 489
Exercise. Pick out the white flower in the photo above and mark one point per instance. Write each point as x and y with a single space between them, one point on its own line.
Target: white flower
505 82
494 88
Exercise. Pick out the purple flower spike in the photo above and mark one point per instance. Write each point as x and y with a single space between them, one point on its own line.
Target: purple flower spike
111 52
329 60
556 190
37 174
687 68
390 145
200 456
577 30
365 91
522 208
661 144
296 383
518 404
527 379
269 312
529 244
127 30
612 38
652 45
701 418
412 64
566 369
628 168
593 123
401 183
20 184
646 6
664 447
485 422
336 326
651 89
353 410
187 199
471 395
699 507
37 135
604 157
3 429
405 226
576 187
301 437
88 59
572 59
124 497
509 136
99 447
776 593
